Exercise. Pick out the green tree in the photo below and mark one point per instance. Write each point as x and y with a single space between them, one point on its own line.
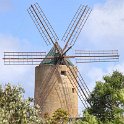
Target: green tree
107 99
87 119
60 116
14 109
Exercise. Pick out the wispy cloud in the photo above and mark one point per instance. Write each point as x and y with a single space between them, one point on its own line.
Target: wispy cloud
105 30
23 75
106 25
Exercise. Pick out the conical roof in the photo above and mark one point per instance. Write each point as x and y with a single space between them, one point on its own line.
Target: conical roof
53 52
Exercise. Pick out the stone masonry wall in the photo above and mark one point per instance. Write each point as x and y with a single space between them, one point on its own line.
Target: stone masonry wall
54 88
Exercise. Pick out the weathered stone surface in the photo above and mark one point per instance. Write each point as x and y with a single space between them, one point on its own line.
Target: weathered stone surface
54 88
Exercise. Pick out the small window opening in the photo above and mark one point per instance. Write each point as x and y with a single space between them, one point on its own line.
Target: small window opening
73 90
63 72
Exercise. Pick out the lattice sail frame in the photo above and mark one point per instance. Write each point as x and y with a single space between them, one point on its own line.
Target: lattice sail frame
76 26
82 56
23 58
42 24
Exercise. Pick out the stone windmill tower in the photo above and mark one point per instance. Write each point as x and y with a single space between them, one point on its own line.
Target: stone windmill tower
58 83
53 88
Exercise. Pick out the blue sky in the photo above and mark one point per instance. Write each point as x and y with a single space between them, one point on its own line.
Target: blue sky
103 30
16 21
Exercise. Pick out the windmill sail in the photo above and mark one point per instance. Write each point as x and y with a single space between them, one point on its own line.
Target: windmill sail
84 56
76 26
83 90
23 58
47 86
42 24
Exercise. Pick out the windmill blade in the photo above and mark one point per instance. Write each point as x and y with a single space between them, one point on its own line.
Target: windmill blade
24 58
50 85
76 26
83 56
81 88
65 91
42 24
82 82
93 52
74 83
46 83
72 80
91 60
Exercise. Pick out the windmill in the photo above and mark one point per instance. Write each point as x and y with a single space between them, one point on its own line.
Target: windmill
58 83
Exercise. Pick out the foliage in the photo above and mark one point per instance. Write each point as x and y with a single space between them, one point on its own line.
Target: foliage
87 119
14 109
107 105
60 116
107 99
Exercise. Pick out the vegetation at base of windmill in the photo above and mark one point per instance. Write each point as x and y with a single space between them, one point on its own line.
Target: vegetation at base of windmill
107 99
87 119
107 105
46 119
60 116
91 119
14 109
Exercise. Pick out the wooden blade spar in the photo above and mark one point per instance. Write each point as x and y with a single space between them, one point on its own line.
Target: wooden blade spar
76 26
83 93
42 24
49 86
83 56
23 58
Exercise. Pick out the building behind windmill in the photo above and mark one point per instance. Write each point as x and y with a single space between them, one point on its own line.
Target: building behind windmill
53 88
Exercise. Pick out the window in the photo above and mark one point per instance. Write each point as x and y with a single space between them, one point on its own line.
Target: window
73 90
63 72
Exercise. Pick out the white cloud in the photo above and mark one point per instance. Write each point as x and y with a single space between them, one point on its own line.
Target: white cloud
118 67
23 75
95 74
106 25
104 30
